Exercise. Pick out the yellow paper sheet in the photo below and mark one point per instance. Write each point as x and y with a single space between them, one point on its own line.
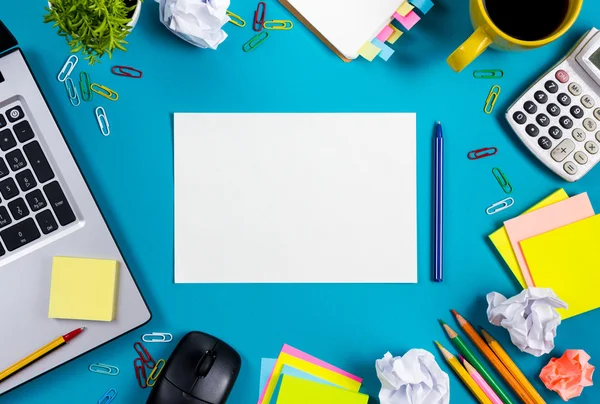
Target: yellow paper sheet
369 51
300 391
83 289
395 35
567 260
502 243
405 8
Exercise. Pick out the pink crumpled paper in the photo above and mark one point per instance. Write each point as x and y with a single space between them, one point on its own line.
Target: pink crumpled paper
569 374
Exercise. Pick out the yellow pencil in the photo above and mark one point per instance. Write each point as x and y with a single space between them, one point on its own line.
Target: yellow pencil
512 367
463 375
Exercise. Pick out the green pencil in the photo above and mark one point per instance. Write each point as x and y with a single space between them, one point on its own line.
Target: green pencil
459 344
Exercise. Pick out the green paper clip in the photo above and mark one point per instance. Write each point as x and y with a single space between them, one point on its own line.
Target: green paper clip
255 41
84 84
488 74
502 180
492 97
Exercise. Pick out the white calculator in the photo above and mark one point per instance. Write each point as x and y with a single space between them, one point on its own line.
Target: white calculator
558 117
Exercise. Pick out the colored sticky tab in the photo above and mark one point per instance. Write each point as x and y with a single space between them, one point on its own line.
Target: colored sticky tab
502 243
267 366
295 390
567 260
386 51
385 33
409 20
369 51
423 5
405 8
395 35
83 289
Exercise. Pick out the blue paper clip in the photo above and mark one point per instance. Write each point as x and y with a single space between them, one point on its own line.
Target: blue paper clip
108 397
72 92
67 68
500 206
103 369
102 119
157 337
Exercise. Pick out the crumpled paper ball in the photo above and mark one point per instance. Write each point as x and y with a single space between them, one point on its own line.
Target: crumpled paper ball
569 374
414 378
530 318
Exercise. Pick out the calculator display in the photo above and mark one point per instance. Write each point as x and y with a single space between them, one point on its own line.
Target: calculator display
595 58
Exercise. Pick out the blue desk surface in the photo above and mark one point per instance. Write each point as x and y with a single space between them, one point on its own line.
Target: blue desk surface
350 326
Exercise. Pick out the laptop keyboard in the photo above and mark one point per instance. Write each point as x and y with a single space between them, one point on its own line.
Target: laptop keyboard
32 202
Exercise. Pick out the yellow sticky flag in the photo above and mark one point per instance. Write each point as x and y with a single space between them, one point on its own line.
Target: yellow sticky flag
405 8
567 260
502 243
369 51
300 391
395 35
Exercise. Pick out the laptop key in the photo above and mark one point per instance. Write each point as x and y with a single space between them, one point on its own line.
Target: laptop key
20 234
7 140
5 219
36 200
14 114
8 188
16 160
46 222
23 131
18 208
26 180
59 203
3 168
2 251
2 121
38 161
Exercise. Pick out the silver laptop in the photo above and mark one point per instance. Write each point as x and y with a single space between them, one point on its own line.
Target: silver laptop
46 210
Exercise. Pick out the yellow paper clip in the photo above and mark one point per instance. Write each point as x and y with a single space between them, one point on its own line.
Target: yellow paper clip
104 91
488 74
502 180
278 24
236 19
255 41
500 206
492 97
160 364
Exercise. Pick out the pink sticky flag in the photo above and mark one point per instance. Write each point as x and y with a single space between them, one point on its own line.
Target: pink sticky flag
385 33
409 20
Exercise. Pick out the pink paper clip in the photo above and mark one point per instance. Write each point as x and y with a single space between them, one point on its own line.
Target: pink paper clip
144 355
481 153
127 71
140 372
258 22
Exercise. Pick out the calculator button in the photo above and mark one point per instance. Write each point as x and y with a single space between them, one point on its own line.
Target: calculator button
551 87
564 99
553 109
597 113
519 117
587 101
570 168
566 122
589 124
14 114
532 130
598 136
580 157
540 97
575 89
555 132
591 147
531 108
543 120
561 151
545 143
576 111
562 76
579 135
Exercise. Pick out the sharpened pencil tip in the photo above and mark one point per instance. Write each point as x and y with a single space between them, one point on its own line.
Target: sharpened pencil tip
454 312
441 321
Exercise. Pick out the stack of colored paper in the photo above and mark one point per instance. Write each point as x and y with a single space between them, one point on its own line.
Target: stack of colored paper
298 378
555 245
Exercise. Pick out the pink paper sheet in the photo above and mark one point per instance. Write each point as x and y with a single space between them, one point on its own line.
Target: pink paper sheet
409 20
385 33
543 220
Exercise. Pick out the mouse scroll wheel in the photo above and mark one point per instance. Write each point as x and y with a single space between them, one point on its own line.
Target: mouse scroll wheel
205 364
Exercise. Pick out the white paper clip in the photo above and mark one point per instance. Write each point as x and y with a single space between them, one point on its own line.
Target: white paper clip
500 206
102 119
72 92
104 369
67 68
157 337
108 397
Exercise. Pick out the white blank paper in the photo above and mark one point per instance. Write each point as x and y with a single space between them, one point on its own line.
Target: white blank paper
295 198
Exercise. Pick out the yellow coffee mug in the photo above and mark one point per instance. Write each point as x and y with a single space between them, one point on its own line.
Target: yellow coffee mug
487 34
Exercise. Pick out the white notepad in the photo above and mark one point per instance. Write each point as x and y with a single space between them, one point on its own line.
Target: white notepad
295 198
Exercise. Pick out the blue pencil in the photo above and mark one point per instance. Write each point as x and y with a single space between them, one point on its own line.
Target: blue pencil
438 212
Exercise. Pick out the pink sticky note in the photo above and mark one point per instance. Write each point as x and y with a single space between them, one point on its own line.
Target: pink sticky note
543 220
385 33
304 356
409 20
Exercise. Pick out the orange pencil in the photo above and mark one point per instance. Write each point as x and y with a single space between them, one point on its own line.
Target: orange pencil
493 359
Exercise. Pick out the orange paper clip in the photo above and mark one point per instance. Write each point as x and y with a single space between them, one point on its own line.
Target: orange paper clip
144 355
140 372
481 153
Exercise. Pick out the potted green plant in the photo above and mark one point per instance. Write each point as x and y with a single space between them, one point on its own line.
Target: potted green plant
94 27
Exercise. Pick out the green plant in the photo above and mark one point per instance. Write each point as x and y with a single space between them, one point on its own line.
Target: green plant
94 27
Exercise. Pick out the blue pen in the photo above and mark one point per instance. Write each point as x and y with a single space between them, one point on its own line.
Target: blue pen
438 210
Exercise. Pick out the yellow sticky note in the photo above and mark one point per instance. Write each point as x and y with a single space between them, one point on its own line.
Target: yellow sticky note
502 243
369 51
83 289
405 8
395 35
567 260
300 391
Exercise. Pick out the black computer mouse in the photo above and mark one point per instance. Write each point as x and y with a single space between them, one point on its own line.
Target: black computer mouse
201 370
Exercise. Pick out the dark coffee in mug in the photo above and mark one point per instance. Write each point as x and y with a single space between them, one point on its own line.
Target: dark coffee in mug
527 20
